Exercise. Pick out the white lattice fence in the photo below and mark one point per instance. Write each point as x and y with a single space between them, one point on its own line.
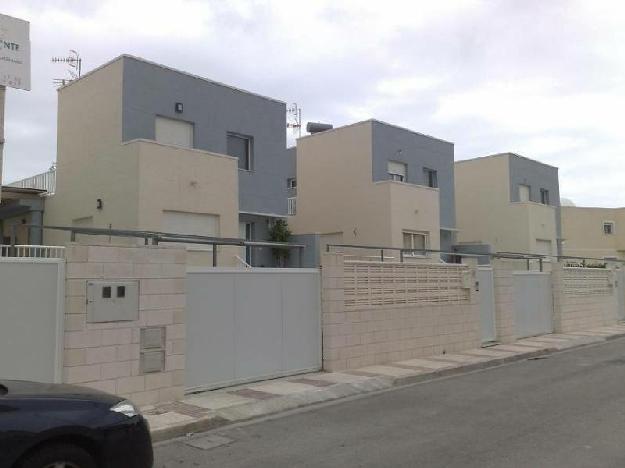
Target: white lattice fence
370 284
587 281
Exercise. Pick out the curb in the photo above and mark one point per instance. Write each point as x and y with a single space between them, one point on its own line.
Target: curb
339 391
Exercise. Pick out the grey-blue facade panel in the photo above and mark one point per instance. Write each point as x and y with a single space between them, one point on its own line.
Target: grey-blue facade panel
417 152
215 110
524 171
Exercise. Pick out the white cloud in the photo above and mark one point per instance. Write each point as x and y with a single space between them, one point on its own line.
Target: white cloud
541 78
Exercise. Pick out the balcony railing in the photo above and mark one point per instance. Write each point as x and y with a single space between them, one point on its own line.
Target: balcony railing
291 206
45 181
32 251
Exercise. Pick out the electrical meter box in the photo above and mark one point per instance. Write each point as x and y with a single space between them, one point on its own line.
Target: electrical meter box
112 301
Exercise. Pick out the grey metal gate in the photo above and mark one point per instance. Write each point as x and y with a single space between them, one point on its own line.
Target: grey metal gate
533 303
620 294
487 304
32 299
246 325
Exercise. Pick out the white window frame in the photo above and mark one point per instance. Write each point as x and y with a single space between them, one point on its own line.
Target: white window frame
426 242
394 174
291 183
612 229
544 195
291 206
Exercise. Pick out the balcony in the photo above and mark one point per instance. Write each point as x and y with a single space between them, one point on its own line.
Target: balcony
45 181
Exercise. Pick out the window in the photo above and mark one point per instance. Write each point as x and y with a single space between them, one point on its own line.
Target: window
524 193
397 171
291 183
121 291
106 292
415 241
608 228
173 132
291 206
240 146
431 178
544 196
199 224
543 247
246 231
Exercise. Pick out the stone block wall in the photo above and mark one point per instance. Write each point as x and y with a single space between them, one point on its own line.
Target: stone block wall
106 356
504 300
358 337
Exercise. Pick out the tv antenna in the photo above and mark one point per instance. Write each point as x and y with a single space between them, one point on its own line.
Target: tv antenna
74 64
294 119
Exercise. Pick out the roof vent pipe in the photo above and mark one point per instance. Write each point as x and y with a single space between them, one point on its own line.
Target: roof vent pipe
318 127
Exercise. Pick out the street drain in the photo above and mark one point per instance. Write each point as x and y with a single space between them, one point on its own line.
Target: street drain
208 442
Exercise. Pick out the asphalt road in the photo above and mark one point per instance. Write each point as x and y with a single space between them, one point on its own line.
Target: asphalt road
567 410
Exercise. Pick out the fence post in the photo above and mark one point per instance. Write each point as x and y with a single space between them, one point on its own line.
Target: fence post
381 255
214 255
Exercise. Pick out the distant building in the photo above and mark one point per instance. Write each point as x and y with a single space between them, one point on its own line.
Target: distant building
507 203
593 232
372 183
143 146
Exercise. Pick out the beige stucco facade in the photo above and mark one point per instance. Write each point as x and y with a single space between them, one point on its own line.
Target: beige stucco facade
136 181
584 236
485 214
337 197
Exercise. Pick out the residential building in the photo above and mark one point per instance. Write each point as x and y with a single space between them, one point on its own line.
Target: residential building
593 232
507 203
143 146
372 183
21 207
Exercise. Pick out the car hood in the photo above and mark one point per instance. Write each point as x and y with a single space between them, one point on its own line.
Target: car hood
28 389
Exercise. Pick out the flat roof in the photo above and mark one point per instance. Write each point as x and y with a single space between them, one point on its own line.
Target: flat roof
499 155
175 70
381 122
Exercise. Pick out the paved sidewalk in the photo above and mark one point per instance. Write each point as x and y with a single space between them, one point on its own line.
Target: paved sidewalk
211 409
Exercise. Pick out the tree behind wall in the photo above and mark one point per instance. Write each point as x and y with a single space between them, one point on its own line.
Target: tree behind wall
279 232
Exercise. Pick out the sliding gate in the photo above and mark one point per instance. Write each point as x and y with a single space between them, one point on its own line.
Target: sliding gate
245 325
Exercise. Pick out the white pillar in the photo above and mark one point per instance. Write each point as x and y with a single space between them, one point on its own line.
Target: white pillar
2 97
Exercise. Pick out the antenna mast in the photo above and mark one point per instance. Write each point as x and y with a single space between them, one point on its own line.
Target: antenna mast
74 64
294 119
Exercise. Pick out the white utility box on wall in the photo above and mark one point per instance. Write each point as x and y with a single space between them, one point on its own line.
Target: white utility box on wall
112 301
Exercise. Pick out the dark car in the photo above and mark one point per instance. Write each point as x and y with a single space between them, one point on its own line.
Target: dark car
65 426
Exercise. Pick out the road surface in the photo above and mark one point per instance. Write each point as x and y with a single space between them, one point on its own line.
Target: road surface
566 410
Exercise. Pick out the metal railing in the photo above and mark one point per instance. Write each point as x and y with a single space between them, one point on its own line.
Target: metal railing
156 237
32 251
45 181
405 254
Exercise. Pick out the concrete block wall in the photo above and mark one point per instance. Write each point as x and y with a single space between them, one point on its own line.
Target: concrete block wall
105 356
378 335
575 311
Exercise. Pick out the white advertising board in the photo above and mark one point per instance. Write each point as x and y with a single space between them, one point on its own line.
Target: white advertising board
14 52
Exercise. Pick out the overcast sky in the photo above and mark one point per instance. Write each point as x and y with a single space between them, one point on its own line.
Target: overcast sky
543 78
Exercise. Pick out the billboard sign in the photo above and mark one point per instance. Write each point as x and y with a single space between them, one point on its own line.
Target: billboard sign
14 52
